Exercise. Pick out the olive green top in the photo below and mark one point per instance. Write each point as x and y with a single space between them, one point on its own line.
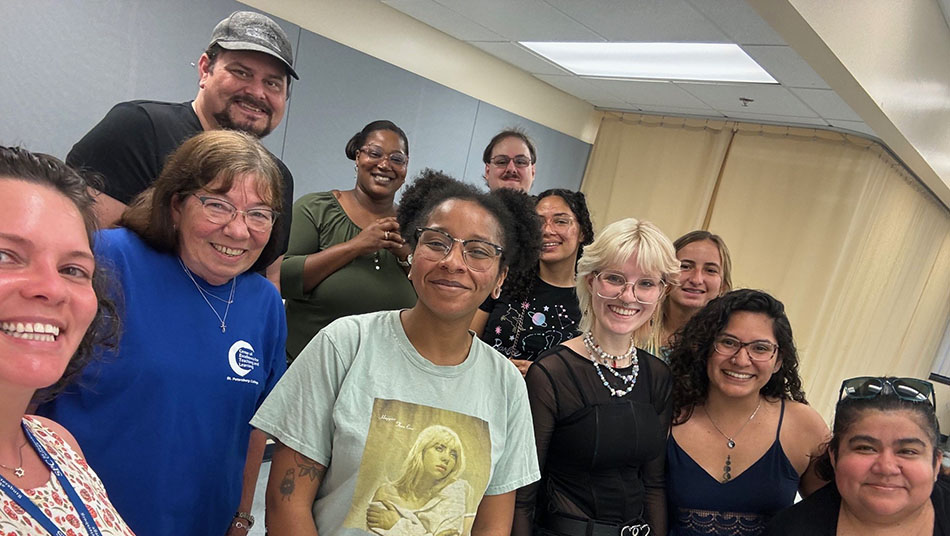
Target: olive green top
373 282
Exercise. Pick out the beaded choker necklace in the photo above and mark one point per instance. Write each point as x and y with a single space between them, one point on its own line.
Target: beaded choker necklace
602 359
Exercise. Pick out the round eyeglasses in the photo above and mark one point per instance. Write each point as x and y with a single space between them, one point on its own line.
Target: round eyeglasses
646 290
375 152
756 350
435 245
221 212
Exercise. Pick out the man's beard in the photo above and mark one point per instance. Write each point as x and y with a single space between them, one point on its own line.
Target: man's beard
225 120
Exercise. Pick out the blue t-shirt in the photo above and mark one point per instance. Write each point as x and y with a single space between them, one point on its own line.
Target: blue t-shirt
164 419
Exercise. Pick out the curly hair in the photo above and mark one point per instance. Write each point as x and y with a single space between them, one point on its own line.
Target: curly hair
520 285
693 345
849 411
359 139
201 160
19 164
512 209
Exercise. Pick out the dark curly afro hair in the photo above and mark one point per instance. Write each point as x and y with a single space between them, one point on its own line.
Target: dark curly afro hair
512 209
693 345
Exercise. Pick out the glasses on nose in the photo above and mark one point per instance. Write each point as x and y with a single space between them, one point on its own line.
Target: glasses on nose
501 160
646 290
435 245
910 389
375 152
221 212
756 350
558 222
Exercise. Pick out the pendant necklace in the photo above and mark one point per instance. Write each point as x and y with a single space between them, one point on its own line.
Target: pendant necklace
18 470
204 294
730 442
597 354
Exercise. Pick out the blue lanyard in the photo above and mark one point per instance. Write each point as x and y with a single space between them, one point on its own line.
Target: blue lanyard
33 511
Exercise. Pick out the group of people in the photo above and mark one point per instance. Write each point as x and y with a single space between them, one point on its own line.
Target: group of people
462 362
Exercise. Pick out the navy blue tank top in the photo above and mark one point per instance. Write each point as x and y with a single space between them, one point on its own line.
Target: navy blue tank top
701 505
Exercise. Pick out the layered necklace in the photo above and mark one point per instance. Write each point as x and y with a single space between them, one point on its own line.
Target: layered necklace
730 441
602 360
204 294
18 470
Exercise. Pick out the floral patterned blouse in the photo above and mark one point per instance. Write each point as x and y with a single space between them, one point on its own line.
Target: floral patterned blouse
52 500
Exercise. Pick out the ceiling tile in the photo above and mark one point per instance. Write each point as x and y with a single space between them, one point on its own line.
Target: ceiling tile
827 103
520 57
444 20
579 87
673 110
785 65
524 20
766 98
738 21
856 126
642 20
649 92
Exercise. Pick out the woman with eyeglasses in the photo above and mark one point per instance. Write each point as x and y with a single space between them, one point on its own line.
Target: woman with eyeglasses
705 273
164 418
538 309
883 463
601 406
346 255
369 387
743 439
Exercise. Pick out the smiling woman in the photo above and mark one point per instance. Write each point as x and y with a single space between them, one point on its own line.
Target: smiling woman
203 340
347 255
423 365
52 313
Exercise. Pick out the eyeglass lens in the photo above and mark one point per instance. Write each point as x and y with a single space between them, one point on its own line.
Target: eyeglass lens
436 245
645 290
376 152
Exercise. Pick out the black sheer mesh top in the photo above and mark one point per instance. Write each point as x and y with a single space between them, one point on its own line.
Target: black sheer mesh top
601 456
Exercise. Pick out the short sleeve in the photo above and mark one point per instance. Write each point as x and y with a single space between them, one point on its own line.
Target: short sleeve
518 464
299 410
122 150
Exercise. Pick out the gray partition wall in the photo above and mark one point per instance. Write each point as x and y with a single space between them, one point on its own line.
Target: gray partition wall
64 64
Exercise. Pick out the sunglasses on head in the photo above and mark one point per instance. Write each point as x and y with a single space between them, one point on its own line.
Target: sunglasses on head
909 389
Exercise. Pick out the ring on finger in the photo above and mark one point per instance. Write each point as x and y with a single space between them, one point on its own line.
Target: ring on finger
386 235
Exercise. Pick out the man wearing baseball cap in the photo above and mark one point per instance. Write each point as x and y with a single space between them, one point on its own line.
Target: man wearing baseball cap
243 84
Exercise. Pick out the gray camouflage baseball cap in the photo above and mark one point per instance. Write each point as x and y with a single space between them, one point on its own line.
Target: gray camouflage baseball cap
247 30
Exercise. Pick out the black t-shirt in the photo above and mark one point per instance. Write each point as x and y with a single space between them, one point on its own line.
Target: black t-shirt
129 146
547 318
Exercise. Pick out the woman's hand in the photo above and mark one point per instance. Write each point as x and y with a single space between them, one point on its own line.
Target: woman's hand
381 516
381 234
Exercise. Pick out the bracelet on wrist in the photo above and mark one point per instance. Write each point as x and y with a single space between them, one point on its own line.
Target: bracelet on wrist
246 517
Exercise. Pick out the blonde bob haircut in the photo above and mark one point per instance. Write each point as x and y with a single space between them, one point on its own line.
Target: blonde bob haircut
613 246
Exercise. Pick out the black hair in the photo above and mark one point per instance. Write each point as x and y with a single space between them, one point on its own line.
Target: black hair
851 410
359 139
520 285
512 209
693 345
510 133
19 164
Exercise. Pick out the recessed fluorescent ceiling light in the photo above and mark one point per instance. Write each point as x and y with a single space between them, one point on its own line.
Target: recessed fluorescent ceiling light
717 62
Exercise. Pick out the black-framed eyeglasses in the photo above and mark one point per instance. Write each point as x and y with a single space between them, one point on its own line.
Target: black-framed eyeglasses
221 212
756 350
435 245
646 290
521 161
910 389
375 152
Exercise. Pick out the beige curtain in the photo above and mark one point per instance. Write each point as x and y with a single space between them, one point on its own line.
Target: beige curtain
830 224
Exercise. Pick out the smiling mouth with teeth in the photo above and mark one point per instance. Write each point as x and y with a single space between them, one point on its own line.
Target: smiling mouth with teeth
230 252
30 331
